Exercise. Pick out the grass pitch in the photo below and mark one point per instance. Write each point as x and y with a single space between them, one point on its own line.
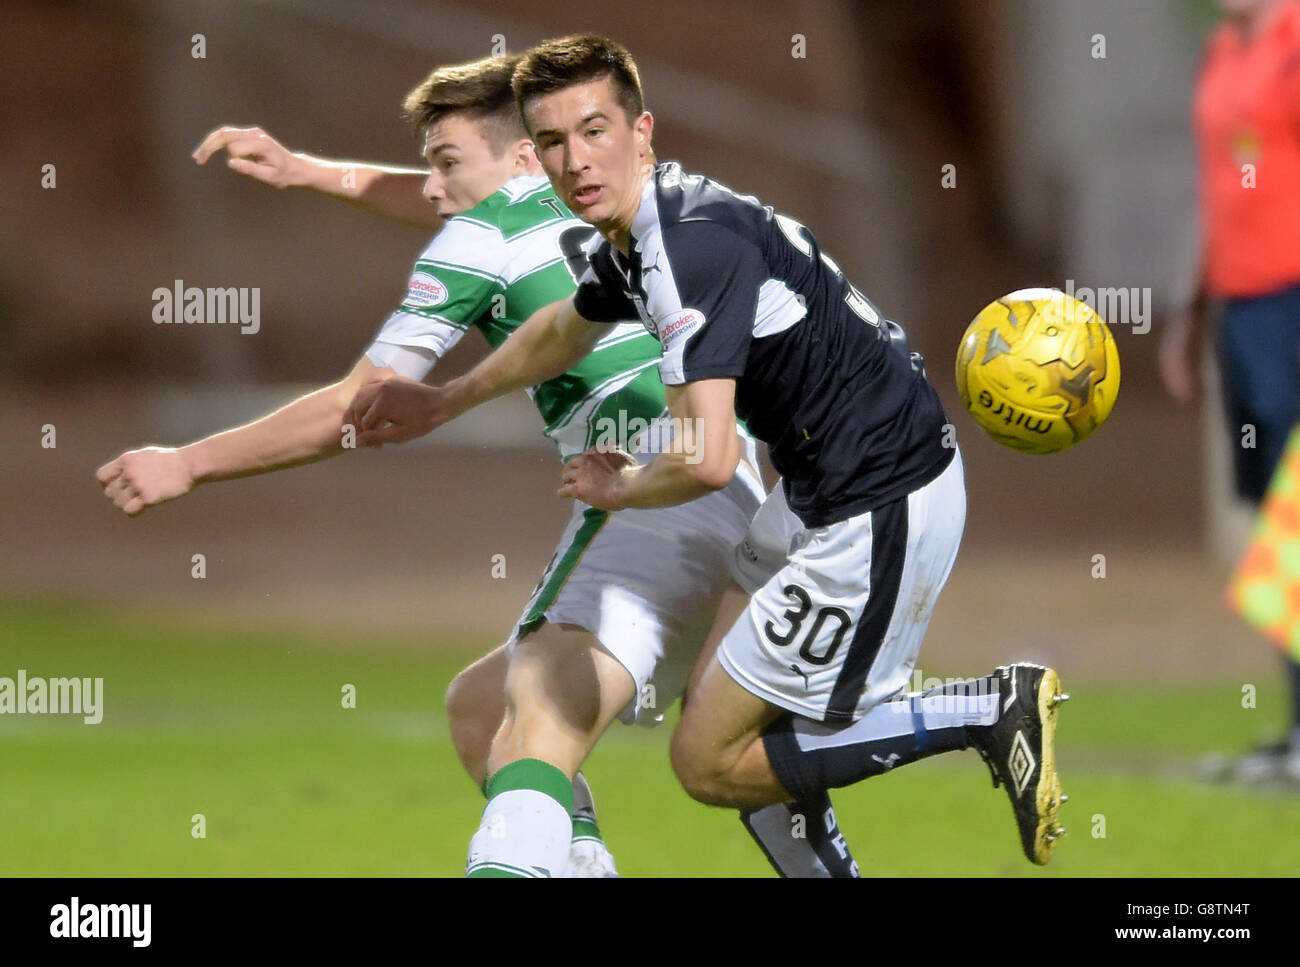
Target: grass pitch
249 731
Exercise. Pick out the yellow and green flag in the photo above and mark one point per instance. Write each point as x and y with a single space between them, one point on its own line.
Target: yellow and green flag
1265 588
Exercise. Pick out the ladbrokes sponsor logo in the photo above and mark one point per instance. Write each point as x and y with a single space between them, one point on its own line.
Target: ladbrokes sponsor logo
680 325
111 921
53 696
425 291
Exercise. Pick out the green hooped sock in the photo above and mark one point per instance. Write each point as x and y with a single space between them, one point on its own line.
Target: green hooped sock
583 809
533 774
527 827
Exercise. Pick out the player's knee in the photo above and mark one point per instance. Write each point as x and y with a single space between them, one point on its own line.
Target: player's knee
471 721
701 775
458 703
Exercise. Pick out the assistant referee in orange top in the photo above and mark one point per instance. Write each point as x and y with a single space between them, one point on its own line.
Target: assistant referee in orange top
1247 119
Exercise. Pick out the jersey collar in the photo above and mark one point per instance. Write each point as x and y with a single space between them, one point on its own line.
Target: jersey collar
646 218
520 184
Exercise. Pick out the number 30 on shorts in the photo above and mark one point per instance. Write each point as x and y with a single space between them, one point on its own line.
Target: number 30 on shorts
795 617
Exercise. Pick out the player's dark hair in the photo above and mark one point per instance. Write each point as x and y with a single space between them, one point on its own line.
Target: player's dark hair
556 64
479 90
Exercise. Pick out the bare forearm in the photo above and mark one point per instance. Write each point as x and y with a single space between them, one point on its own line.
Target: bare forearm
552 341
306 430
701 458
392 191
666 481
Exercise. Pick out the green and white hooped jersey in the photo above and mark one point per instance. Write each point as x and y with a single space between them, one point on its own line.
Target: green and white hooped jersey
493 266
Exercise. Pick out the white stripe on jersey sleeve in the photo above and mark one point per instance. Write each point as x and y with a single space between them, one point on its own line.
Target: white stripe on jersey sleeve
465 246
469 246
663 298
436 335
533 250
778 309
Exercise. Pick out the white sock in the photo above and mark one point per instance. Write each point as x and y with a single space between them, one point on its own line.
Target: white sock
526 830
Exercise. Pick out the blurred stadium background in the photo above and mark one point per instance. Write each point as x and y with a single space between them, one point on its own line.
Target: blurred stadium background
221 694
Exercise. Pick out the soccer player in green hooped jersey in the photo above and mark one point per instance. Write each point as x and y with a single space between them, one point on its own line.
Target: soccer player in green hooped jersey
506 247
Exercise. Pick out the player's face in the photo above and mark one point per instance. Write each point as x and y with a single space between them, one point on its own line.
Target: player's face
463 170
593 155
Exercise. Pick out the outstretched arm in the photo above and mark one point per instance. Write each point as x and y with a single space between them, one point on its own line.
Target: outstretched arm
551 341
310 428
393 191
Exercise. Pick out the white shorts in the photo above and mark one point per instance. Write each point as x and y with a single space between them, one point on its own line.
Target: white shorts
647 584
837 614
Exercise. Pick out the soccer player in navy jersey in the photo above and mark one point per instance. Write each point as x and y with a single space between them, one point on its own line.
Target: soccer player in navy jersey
845 560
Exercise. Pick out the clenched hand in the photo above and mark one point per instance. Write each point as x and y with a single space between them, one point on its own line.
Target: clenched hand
397 409
142 478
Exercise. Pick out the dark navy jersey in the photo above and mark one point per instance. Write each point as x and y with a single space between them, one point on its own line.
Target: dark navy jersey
735 290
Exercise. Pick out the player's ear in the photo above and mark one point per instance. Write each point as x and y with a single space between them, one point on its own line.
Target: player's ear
524 153
643 129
